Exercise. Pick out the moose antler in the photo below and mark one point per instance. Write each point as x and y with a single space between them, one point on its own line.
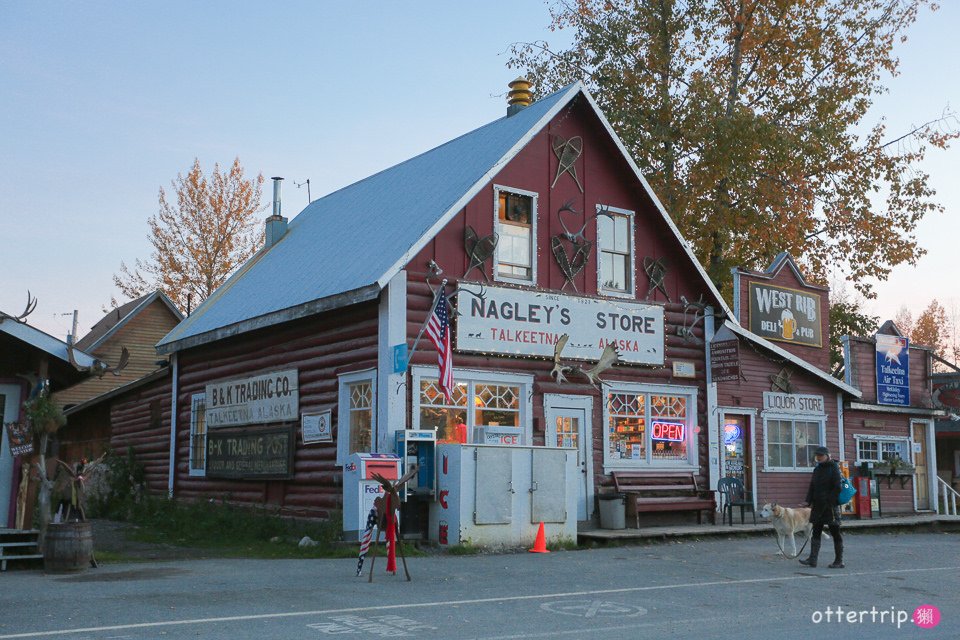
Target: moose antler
100 368
608 358
22 318
559 369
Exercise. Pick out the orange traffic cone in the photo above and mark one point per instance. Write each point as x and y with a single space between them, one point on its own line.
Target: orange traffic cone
540 545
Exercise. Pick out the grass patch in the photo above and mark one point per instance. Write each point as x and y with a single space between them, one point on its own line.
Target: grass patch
464 549
230 531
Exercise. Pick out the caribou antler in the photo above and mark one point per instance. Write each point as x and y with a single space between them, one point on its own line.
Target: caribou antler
22 318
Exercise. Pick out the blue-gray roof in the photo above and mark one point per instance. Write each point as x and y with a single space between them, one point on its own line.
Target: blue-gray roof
352 239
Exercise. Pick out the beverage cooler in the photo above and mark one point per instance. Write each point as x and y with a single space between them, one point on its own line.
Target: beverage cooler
498 495
360 489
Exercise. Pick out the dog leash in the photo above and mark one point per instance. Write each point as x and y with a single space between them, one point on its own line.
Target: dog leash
799 553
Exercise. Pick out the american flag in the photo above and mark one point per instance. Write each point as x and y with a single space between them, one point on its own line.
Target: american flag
367 536
438 330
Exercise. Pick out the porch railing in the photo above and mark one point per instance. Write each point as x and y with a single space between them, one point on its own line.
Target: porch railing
948 498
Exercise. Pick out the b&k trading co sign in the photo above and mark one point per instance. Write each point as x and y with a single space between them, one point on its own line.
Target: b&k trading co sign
517 322
269 397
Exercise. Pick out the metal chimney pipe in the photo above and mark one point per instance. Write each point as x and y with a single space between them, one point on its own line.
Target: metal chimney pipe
276 224
276 194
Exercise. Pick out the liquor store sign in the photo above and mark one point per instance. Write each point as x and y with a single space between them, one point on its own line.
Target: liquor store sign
251 453
269 397
529 323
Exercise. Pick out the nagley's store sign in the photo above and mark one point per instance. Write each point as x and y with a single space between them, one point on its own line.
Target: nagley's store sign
517 322
269 397
786 315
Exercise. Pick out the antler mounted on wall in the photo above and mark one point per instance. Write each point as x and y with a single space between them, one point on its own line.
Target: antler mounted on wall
699 310
99 367
22 318
609 357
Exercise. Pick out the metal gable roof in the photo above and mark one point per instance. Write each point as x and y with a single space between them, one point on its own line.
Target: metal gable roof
330 248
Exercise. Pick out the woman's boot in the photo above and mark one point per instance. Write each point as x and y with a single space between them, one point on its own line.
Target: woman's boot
838 553
814 552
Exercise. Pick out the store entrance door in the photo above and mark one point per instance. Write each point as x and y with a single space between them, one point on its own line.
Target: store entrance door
569 424
737 452
921 480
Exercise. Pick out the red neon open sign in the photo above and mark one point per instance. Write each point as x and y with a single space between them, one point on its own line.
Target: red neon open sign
670 431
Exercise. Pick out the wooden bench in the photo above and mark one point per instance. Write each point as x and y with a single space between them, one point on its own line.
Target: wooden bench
648 491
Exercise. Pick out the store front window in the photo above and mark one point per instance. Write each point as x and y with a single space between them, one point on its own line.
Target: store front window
650 426
790 443
475 404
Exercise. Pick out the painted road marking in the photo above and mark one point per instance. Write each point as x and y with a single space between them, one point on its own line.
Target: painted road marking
384 626
590 609
448 603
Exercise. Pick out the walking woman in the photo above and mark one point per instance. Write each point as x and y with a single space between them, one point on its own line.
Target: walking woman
823 498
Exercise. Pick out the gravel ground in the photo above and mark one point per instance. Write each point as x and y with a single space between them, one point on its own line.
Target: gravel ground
113 538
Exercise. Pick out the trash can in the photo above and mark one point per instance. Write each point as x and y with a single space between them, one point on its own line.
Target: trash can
613 511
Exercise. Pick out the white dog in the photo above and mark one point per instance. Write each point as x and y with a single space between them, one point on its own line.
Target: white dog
787 522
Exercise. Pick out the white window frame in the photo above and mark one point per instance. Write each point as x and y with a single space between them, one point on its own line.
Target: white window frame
632 267
906 444
473 377
533 235
793 417
693 456
344 381
195 400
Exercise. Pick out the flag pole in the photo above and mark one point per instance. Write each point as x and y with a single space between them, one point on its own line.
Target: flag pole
433 305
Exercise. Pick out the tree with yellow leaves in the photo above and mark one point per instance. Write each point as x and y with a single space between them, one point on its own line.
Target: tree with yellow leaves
748 118
201 239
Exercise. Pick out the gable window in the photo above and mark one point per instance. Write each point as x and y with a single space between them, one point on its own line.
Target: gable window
615 262
356 414
516 228
479 400
198 435
648 425
790 443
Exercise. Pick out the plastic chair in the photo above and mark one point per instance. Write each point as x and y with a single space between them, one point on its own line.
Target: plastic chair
733 494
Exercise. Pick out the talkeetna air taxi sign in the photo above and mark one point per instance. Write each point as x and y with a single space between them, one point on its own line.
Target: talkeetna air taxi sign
785 315
893 370
529 323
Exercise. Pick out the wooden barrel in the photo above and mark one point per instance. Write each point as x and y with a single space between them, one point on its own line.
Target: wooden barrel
68 547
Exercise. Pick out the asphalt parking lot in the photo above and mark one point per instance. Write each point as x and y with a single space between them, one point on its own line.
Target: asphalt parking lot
718 588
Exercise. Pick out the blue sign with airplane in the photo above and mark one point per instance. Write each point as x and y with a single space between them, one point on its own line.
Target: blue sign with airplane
893 370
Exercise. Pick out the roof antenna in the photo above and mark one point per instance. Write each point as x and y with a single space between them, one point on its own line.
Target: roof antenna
300 184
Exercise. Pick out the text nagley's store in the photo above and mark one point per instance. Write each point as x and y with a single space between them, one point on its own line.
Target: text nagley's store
552 251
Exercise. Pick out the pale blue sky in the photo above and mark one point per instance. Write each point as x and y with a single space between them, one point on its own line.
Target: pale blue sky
104 102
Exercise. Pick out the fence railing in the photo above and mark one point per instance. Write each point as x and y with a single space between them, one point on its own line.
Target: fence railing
948 498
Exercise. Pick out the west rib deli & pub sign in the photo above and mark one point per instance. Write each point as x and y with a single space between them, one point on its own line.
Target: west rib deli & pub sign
785 315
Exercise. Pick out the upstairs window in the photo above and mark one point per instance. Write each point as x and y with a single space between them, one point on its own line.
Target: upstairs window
516 228
615 251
